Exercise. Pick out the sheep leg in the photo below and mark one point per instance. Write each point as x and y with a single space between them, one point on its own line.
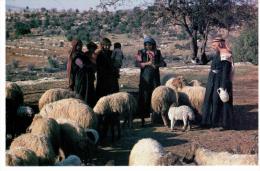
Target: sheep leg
184 123
172 123
165 121
189 126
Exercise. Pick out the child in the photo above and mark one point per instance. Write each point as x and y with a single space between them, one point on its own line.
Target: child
117 58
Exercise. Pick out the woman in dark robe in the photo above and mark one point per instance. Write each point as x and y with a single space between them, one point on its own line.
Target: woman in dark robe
91 100
79 70
216 113
105 76
149 60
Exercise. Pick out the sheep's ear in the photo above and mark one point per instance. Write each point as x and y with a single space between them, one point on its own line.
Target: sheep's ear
92 135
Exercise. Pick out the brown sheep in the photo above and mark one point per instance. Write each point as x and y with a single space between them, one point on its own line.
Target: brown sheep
21 157
40 145
46 127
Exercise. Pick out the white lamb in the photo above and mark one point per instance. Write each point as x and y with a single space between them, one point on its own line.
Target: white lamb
184 113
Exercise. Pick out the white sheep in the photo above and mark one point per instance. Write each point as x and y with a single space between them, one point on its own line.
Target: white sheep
149 152
207 157
71 109
192 96
56 94
162 98
183 113
121 103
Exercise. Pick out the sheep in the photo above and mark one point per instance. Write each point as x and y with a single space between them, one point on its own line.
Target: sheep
183 112
122 103
40 145
109 120
14 99
195 83
13 92
71 160
56 94
169 83
192 96
77 140
71 109
162 98
149 152
110 108
203 156
21 157
47 127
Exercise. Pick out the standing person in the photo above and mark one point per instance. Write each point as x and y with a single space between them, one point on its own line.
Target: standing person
76 46
91 100
215 112
105 75
117 60
78 71
149 60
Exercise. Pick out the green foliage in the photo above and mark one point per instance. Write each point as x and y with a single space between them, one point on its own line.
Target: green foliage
245 47
53 63
22 28
35 23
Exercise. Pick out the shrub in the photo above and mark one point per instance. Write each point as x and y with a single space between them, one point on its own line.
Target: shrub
30 67
15 63
245 47
22 28
53 63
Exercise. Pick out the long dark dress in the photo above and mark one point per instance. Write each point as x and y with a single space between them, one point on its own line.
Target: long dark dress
149 80
214 112
83 78
91 69
106 79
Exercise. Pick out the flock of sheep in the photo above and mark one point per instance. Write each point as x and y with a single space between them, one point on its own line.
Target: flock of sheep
66 131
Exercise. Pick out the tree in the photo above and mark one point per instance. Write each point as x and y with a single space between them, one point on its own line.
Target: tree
35 23
245 47
199 17
22 28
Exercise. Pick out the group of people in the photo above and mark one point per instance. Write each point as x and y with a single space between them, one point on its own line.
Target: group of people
99 59
106 63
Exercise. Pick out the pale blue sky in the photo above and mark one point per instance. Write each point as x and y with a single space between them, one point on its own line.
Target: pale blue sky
66 4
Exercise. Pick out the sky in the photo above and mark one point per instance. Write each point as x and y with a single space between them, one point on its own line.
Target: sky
66 4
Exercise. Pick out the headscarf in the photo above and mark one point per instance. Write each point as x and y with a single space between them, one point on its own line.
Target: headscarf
149 40
74 44
225 54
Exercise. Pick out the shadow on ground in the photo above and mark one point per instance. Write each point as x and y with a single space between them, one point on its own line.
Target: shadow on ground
246 117
118 152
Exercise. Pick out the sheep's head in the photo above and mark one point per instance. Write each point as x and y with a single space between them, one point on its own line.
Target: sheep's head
195 83
178 83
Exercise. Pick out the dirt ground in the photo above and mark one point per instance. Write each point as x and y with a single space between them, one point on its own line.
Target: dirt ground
242 140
